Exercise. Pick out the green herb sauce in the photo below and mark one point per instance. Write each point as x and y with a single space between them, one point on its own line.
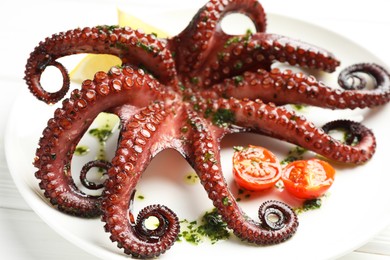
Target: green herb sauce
81 150
294 154
211 228
309 205
105 128
191 178
298 107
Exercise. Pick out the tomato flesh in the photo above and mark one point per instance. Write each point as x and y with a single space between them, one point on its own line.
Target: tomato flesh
308 179
255 168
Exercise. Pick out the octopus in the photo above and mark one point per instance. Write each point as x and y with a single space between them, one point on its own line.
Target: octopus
186 93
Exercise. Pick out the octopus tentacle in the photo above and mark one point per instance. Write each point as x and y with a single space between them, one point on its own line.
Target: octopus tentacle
71 121
356 132
83 174
134 153
251 52
282 124
194 43
286 87
206 161
286 125
351 78
130 46
33 78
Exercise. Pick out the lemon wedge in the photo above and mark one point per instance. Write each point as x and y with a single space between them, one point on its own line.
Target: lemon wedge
93 63
126 19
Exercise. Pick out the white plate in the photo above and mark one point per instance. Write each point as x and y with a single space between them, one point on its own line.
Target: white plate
356 209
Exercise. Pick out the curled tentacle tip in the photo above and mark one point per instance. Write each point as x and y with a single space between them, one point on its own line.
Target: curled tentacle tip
34 69
359 142
83 174
354 77
279 219
275 215
168 224
355 131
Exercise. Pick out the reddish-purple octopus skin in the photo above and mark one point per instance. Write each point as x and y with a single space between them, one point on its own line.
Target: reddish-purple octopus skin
187 93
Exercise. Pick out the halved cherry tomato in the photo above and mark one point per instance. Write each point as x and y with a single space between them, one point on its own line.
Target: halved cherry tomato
255 168
308 179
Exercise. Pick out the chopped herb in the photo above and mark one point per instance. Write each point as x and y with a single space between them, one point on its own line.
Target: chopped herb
146 47
226 201
238 65
350 138
232 40
181 86
208 112
223 117
238 148
309 205
211 227
236 39
109 28
194 80
294 154
221 55
279 185
243 194
196 107
344 136
214 227
191 178
248 35
209 157
121 46
198 127
298 107
238 79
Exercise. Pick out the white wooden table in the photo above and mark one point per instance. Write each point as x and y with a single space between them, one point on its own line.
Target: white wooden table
23 235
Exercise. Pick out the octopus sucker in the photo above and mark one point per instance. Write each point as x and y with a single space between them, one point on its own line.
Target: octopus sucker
187 93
